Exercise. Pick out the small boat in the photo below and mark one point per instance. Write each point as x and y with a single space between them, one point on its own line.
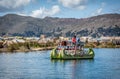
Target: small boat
67 50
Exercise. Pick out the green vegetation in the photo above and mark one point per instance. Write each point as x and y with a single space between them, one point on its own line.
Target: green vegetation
27 46
34 45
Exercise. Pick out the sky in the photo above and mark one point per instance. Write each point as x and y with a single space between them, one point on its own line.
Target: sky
59 8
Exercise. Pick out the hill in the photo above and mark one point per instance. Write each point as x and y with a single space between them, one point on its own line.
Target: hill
96 26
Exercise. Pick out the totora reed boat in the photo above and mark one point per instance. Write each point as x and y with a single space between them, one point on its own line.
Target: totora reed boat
68 50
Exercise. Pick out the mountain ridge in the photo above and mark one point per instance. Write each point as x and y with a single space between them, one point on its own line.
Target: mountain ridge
96 26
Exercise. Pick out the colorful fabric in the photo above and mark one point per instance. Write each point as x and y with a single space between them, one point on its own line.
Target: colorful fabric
74 40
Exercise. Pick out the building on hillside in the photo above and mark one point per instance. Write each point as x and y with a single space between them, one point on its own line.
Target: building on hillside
85 39
116 40
63 38
105 39
93 40
32 39
18 41
42 36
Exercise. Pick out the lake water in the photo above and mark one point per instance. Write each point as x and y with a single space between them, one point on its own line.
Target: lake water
37 65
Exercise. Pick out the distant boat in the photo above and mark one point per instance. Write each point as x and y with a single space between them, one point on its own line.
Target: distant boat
67 50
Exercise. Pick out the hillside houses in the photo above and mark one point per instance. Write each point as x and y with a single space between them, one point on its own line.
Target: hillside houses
115 40
7 41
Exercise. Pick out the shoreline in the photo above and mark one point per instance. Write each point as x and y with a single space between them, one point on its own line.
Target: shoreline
29 46
26 50
5 50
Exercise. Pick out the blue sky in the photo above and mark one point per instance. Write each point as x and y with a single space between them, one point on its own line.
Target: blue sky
59 8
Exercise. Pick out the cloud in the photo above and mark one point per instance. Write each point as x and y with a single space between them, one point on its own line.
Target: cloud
13 5
22 14
77 4
43 12
99 10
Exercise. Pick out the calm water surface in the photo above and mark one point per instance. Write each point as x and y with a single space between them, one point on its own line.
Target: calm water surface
37 65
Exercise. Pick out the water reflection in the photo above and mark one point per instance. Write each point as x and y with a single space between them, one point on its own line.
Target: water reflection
76 68
54 61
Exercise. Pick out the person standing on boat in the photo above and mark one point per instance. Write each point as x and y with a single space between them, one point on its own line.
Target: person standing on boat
74 40
77 40
74 43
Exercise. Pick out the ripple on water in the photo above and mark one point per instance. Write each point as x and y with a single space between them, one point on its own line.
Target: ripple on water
38 65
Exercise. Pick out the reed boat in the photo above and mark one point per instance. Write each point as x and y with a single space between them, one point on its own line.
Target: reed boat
70 51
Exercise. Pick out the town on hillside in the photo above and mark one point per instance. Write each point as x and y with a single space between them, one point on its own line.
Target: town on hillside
18 43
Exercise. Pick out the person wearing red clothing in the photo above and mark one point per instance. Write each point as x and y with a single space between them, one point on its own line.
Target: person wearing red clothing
74 40
74 43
